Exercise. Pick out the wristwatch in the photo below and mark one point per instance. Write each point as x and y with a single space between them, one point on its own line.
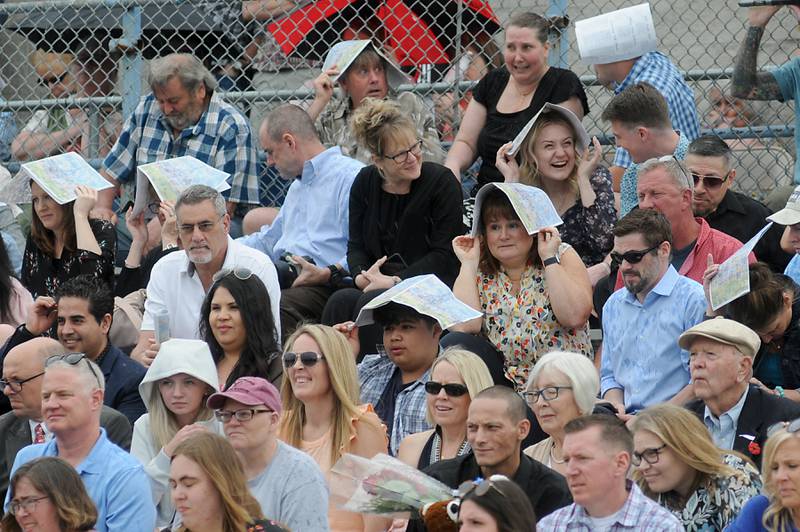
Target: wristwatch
551 260
336 275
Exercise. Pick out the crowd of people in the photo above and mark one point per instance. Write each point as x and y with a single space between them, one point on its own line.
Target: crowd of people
547 346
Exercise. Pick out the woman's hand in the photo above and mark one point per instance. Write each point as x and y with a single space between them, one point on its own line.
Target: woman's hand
590 160
350 331
467 249
182 435
710 273
84 201
169 224
136 226
507 165
323 85
547 243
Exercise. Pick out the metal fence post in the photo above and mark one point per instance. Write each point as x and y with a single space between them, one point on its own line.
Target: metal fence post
559 54
131 61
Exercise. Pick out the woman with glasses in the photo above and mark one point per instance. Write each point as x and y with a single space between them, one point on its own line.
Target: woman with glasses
678 465
64 242
562 386
533 289
175 389
48 495
496 504
403 213
322 415
236 323
555 157
457 376
209 488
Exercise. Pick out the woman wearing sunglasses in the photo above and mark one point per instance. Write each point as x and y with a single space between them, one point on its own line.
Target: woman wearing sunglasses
457 376
64 242
495 504
238 330
403 213
322 415
175 389
47 495
678 465
562 386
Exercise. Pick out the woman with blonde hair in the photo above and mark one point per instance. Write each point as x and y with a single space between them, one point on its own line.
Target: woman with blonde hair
678 465
457 376
322 415
47 495
174 389
561 387
209 489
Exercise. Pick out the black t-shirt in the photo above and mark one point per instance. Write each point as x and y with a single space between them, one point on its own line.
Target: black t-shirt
392 208
556 86
385 406
679 256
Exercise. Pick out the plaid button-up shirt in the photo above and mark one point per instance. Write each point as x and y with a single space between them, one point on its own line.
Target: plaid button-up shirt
221 138
638 513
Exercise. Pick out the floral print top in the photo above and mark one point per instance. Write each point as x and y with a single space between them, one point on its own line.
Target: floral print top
42 274
706 511
588 229
523 327
266 525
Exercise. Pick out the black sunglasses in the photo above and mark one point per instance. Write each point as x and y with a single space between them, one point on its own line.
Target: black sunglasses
307 358
73 359
453 389
632 257
710 182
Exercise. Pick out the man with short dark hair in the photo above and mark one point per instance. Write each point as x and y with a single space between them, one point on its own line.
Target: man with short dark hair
598 450
83 309
710 162
640 122
23 369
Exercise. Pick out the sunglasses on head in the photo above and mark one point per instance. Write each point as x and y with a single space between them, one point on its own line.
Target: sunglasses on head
480 486
632 257
242 274
790 426
452 389
73 359
307 358
710 182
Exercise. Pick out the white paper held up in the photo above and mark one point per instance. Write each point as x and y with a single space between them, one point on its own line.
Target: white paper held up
532 205
170 177
623 34
733 277
60 174
582 140
342 55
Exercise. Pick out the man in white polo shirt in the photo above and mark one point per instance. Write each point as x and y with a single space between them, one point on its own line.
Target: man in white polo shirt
179 281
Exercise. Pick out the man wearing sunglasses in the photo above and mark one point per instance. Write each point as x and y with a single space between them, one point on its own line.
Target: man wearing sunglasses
72 402
641 363
710 162
287 482
736 412
23 372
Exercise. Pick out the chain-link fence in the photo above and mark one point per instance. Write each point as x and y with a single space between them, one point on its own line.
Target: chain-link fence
74 69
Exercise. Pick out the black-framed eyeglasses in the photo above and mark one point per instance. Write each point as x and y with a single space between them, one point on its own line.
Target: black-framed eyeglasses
204 227
452 389
548 393
307 358
710 182
15 385
400 158
28 504
242 274
54 80
73 359
632 257
648 455
480 486
790 426
242 415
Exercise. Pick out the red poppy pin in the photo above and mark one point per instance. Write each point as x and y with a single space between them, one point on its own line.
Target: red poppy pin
754 448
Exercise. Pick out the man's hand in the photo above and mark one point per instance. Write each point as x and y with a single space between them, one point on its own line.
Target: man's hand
146 357
310 274
41 315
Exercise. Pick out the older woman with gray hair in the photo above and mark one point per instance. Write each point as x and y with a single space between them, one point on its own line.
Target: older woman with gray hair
562 386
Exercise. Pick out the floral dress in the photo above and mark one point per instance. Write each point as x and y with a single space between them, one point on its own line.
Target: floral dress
523 326
588 229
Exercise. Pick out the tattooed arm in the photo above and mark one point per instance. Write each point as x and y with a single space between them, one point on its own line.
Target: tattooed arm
747 82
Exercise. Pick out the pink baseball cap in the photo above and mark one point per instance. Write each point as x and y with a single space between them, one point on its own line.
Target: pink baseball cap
250 391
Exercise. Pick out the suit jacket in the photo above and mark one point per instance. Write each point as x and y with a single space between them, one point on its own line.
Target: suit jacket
760 411
15 433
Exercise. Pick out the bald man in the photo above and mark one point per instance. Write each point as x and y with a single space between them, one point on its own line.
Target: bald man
23 369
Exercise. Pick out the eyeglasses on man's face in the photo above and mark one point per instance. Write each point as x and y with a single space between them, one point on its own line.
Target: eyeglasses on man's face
631 257
16 385
204 227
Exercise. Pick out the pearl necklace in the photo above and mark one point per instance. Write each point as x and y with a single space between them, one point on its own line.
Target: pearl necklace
553 456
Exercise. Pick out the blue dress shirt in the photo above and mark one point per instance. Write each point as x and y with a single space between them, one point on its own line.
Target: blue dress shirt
640 340
115 480
723 428
314 218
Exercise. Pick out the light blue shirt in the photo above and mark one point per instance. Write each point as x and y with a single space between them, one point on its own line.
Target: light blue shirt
314 218
793 269
788 77
115 480
723 428
641 355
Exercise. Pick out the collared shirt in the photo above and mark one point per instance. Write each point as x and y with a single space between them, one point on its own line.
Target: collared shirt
793 268
115 480
723 428
638 513
374 374
314 219
641 355
656 69
175 287
628 198
221 138
788 77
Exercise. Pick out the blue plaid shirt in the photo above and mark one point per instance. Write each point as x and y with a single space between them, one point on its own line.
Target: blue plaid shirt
374 374
221 138
656 69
